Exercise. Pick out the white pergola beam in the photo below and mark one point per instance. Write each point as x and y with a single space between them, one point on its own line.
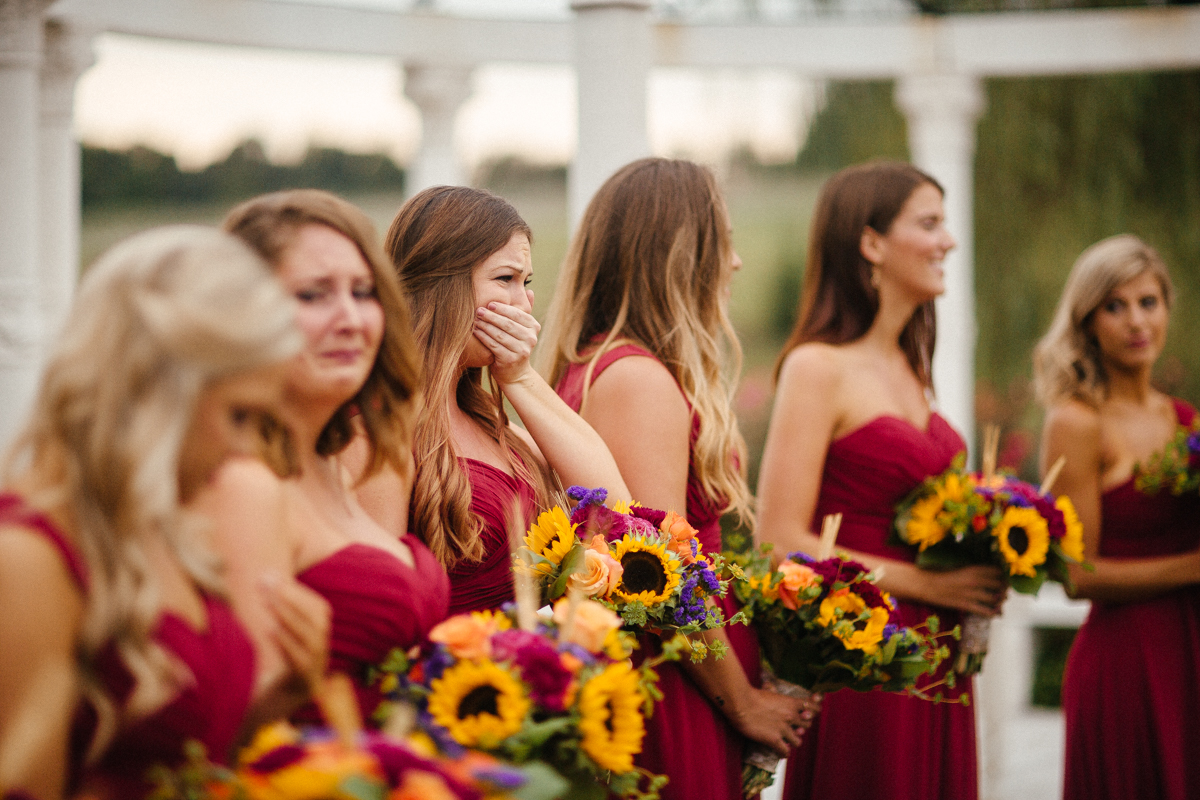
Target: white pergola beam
1065 42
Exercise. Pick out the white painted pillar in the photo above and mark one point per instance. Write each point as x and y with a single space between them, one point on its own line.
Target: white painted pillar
20 312
68 52
438 92
942 111
613 55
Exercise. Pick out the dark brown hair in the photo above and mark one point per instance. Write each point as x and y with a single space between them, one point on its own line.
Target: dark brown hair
838 304
436 241
388 399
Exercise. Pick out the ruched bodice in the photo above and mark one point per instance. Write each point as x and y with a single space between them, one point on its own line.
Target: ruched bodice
478 585
378 603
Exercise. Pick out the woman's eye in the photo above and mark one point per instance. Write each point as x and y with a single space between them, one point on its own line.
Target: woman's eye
240 416
364 292
1149 302
309 295
528 281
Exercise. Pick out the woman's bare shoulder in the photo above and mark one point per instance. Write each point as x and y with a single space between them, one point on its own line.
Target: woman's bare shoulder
1073 418
815 366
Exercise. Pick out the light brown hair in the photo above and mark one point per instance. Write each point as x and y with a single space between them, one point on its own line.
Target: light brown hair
1067 361
436 241
648 264
388 400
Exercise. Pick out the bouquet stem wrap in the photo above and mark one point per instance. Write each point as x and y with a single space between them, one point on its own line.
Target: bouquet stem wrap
975 632
758 769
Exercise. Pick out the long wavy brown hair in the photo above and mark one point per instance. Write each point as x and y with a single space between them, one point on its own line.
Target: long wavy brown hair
838 303
436 241
649 263
388 400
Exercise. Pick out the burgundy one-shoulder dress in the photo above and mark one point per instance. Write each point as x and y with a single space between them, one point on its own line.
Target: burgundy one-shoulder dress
487 584
874 744
1131 691
687 739
209 707
378 603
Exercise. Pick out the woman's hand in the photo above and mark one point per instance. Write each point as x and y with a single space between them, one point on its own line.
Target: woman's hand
776 720
301 626
510 334
977 590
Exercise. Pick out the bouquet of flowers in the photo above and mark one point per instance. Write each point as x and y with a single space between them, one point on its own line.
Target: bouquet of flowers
557 691
283 762
824 625
959 519
1177 467
645 565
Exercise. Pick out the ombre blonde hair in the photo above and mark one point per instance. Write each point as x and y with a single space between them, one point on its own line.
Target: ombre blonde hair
1067 361
436 241
156 320
649 263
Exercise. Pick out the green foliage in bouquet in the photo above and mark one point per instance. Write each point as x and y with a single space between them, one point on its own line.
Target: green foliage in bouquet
1177 467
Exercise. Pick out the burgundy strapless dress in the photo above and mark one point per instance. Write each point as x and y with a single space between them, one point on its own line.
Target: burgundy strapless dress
1131 691
481 585
379 603
687 739
879 745
209 708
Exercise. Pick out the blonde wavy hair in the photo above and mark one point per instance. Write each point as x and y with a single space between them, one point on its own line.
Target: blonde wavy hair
436 240
156 320
1067 362
648 265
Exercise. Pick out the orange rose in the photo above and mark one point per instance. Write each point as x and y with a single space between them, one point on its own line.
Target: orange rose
796 577
468 635
682 535
591 625
600 574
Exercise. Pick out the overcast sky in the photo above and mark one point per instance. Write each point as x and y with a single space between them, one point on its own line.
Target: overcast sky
197 101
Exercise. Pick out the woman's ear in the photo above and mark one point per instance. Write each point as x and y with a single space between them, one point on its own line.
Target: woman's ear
871 245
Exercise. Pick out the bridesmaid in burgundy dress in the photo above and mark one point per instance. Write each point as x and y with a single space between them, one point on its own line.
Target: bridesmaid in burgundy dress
1131 692
351 397
463 256
852 430
638 330
169 364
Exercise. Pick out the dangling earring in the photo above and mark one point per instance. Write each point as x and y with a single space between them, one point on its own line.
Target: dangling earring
875 276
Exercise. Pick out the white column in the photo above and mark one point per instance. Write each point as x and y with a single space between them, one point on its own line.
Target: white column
438 92
942 111
613 54
20 313
68 52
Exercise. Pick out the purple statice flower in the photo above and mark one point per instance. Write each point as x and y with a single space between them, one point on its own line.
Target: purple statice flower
539 664
691 607
441 737
587 497
800 557
579 651
889 631
500 776
437 662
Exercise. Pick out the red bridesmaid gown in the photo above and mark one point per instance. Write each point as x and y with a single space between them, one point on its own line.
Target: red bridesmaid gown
1131 691
487 584
209 708
687 739
876 745
378 603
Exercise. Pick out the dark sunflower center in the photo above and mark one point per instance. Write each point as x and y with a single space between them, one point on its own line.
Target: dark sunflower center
480 700
1018 539
608 721
643 573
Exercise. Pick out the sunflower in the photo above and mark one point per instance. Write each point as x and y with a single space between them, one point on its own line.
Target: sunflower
923 527
842 612
1024 539
1072 541
478 702
610 710
551 537
651 571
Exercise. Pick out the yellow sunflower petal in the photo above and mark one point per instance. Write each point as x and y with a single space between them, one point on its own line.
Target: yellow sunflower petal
610 710
478 702
1024 539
